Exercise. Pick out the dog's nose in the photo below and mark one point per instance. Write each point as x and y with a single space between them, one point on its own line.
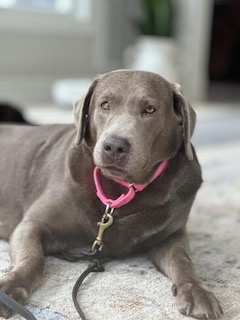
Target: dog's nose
116 148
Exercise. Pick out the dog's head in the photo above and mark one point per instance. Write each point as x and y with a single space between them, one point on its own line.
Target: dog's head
133 120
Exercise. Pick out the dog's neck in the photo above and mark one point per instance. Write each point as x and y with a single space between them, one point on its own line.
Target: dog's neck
132 187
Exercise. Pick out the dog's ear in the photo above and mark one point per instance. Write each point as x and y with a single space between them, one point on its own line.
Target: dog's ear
80 110
188 117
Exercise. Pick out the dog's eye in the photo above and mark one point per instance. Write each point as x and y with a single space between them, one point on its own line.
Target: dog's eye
149 110
105 105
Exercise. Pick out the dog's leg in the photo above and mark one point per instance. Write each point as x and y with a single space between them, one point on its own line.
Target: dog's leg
27 260
193 299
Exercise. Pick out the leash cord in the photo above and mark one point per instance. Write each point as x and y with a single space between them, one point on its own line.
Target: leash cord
15 306
94 266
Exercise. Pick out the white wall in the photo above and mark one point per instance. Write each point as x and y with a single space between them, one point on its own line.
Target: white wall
193 30
37 49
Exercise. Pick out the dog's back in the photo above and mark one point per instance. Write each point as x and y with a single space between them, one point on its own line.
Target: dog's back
24 150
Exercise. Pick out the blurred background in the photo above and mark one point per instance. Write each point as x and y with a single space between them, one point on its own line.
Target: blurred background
51 49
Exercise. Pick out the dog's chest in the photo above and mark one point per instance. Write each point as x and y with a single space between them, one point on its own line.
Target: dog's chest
135 233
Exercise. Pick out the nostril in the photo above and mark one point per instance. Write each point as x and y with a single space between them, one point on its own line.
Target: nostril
107 148
120 150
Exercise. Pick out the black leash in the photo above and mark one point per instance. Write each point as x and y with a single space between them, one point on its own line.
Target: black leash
94 266
15 306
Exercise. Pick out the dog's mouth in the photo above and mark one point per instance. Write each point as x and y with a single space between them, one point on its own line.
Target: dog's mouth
113 172
122 177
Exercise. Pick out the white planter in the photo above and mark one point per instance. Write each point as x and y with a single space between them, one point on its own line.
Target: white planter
156 54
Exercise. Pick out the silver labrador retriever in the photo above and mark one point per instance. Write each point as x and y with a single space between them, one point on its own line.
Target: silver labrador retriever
128 124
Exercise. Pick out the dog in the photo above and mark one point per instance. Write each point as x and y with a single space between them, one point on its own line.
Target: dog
132 131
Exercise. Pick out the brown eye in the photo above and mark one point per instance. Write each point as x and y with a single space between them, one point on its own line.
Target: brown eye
104 105
149 110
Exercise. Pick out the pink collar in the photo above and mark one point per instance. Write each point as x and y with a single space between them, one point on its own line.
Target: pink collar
132 188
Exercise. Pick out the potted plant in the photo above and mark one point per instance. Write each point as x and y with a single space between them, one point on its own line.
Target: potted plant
157 18
155 48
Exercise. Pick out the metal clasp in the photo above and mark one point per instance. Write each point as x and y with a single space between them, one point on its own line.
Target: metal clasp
106 222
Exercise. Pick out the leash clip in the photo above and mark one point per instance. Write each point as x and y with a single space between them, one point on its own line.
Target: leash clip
106 222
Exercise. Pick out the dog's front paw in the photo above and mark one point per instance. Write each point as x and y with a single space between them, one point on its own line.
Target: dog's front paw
195 301
12 285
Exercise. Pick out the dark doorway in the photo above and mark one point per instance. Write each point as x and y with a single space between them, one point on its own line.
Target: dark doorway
224 64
